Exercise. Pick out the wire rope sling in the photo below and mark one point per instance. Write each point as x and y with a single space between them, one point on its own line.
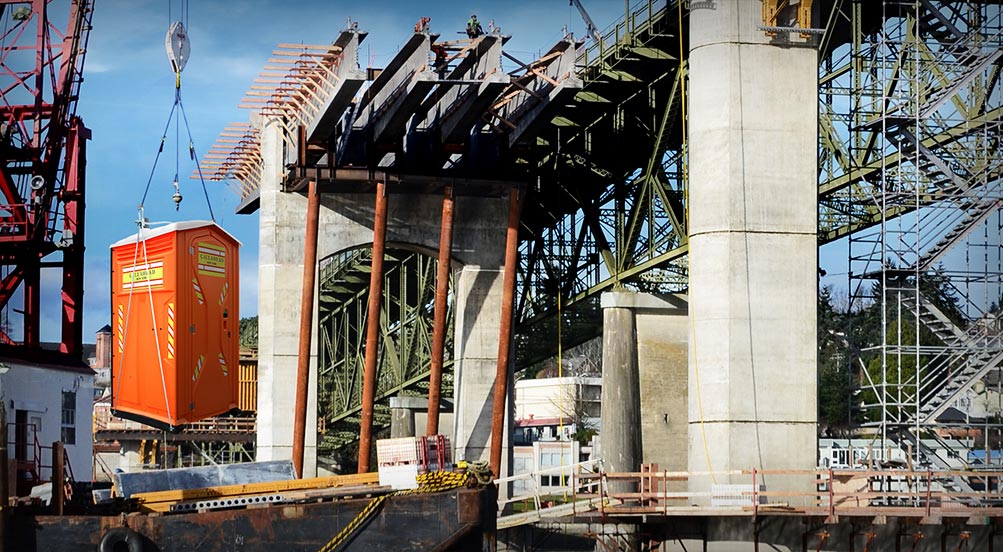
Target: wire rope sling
175 300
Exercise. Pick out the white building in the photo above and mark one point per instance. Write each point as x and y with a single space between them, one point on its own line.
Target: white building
843 454
554 397
544 434
45 403
551 461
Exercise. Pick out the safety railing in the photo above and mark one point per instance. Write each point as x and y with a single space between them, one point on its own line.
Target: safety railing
638 18
27 453
34 462
920 493
570 496
105 421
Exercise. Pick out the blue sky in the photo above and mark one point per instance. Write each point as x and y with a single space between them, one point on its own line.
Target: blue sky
129 88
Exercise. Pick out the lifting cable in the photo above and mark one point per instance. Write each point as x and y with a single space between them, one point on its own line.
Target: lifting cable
178 50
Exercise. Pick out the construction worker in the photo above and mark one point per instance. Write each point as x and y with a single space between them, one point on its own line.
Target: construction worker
440 64
474 29
422 25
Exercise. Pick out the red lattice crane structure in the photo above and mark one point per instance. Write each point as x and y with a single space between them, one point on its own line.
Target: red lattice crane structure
42 161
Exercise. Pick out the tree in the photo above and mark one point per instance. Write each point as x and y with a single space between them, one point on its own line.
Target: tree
578 404
835 367
249 332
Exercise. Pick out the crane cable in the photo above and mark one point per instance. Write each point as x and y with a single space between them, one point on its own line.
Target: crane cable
181 51
178 50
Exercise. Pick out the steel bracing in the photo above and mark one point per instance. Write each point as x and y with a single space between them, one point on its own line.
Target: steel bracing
405 345
910 127
42 160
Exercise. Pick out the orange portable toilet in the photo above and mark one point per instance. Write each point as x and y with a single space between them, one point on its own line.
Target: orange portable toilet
175 337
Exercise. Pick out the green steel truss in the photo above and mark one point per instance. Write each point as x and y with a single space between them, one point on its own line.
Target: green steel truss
910 184
406 316
608 208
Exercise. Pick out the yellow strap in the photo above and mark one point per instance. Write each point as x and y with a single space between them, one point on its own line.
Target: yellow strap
432 482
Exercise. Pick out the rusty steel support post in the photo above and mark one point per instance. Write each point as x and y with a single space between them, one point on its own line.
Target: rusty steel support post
4 479
373 328
505 332
306 313
58 478
439 323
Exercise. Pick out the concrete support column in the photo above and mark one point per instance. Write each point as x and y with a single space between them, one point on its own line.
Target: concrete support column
620 419
645 340
402 411
280 277
478 298
409 415
753 268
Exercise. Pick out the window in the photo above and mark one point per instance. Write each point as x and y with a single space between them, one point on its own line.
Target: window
553 480
69 419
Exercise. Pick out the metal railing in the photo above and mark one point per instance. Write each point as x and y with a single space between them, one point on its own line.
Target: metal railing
829 493
542 501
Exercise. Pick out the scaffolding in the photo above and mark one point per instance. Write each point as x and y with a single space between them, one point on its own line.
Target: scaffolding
920 107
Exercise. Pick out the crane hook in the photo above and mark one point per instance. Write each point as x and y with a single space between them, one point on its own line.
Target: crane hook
177 195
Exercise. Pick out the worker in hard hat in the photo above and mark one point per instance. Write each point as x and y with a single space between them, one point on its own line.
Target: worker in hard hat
474 29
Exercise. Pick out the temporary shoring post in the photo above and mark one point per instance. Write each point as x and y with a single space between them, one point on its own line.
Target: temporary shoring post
439 322
306 312
373 328
58 479
505 333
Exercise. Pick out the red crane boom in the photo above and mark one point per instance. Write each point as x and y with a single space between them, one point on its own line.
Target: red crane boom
42 160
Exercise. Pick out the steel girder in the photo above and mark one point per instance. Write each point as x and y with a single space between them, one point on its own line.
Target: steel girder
405 342
608 206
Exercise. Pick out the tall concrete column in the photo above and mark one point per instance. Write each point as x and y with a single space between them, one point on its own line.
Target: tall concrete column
280 281
478 295
753 270
620 416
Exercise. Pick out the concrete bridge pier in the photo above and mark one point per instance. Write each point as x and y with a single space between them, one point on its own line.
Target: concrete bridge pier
753 267
643 394
281 237
346 222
